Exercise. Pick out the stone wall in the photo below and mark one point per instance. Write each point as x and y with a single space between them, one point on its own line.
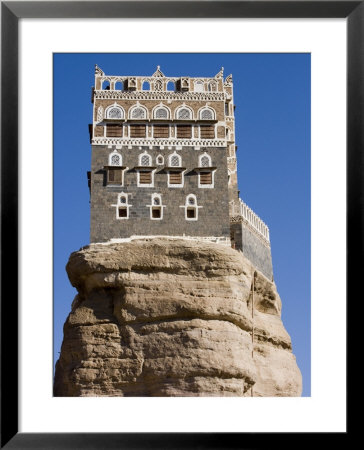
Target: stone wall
253 248
213 216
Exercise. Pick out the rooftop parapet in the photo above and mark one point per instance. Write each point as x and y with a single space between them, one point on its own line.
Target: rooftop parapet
242 213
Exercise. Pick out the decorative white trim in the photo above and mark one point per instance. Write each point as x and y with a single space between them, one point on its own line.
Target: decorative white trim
170 185
114 106
207 186
160 95
125 205
204 155
113 154
100 114
221 240
138 106
170 142
159 163
183 106
206 108
153 206
187 206
198 83
161 106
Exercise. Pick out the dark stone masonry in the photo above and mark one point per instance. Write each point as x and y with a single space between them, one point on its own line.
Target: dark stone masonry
164 163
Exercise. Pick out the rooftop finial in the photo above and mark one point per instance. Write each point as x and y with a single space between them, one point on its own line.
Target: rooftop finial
98 71
158 72
220 74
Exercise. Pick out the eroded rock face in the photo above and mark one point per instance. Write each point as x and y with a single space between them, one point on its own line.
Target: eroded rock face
164 317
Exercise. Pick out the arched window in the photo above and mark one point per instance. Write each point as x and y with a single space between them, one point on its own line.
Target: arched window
170 86
119 86
191 207
156 207
207 114
145 159
199 86
175 160
212 86
115 112
205 160
161 113
105 85
122 206
160 160
184 113
158 85
115 159
146 86
138 113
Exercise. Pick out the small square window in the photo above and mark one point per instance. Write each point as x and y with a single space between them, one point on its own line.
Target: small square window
191 213
123 212
156 213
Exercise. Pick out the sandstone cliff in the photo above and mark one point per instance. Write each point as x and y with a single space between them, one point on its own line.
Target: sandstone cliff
163 317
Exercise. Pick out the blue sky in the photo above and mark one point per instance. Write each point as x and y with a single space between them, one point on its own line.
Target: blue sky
272 94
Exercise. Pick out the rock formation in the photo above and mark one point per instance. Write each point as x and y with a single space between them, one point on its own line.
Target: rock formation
166 317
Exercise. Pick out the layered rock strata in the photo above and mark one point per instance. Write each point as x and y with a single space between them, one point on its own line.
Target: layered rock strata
165 317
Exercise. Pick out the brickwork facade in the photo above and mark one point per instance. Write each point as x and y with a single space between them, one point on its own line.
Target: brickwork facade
164 161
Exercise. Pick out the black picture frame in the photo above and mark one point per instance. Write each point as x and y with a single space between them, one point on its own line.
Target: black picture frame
11 12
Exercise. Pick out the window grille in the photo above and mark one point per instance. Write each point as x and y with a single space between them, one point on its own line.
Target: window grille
205 161
115 160
184 113
161 113
115 113
145 160
158 85
175 161
138 113
206 114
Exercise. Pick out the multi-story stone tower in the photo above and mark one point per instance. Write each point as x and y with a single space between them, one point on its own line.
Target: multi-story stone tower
164 163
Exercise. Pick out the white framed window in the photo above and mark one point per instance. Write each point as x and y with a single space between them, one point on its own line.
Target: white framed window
115 112
191 207
161 112
122 206
199 86
184 113
156 207
206 175
212 86
160 160
204 160
138 112
115 159
174 160
145 159
207 113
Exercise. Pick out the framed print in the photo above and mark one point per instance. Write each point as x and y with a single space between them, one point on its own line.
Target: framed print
31 70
